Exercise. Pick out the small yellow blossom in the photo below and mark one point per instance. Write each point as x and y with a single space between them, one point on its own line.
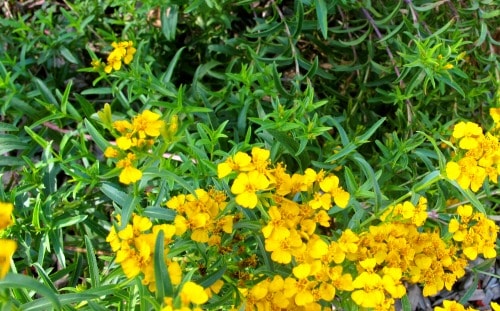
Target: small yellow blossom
123 52
193 293
129 173
6 252
246 185
449 305
6 215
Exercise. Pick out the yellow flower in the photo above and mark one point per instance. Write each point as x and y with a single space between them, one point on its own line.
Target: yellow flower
468 133
245 187
449 305
122 126
239 162
129 174
111 152
6 215
193 293
123 51
453 170
495 114
147 124
6 252
330 184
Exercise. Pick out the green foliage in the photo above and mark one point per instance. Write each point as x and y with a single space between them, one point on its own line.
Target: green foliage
368 90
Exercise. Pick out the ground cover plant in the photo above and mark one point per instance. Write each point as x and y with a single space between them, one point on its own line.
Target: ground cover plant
249 155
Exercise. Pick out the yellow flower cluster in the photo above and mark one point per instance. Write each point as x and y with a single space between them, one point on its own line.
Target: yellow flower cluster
476 233
134 246
191 293
316 264
8 246
478 154
449 305
200 214
136 136
123 52
256 176
397 247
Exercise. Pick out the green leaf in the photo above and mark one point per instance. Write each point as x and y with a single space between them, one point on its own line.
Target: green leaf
44 276
10 142
12 280
220 268
164 286
92 264
69 221
100 141
405 301
68 56
97 91
46 93
170 69
64 99
299 13
321 13
160 213
168 18
372 178
354 42
471 289
277 82
169 176
115 195
39 139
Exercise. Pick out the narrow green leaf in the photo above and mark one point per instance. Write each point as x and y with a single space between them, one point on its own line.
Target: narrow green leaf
97 91
44 276
57 243
10 142
299 13
321 13
7 127
220 268
364 138
114 194
429 5
168 18
68 56
178 180
92 264
390 16
372 178
160 213
12 280
470 291
100 141
163 284
355 41
427 181
64 99
405 302
69 221
46 93
170 69
42 142
312 70
277 82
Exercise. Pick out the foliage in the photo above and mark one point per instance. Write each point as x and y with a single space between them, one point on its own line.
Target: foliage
223 155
